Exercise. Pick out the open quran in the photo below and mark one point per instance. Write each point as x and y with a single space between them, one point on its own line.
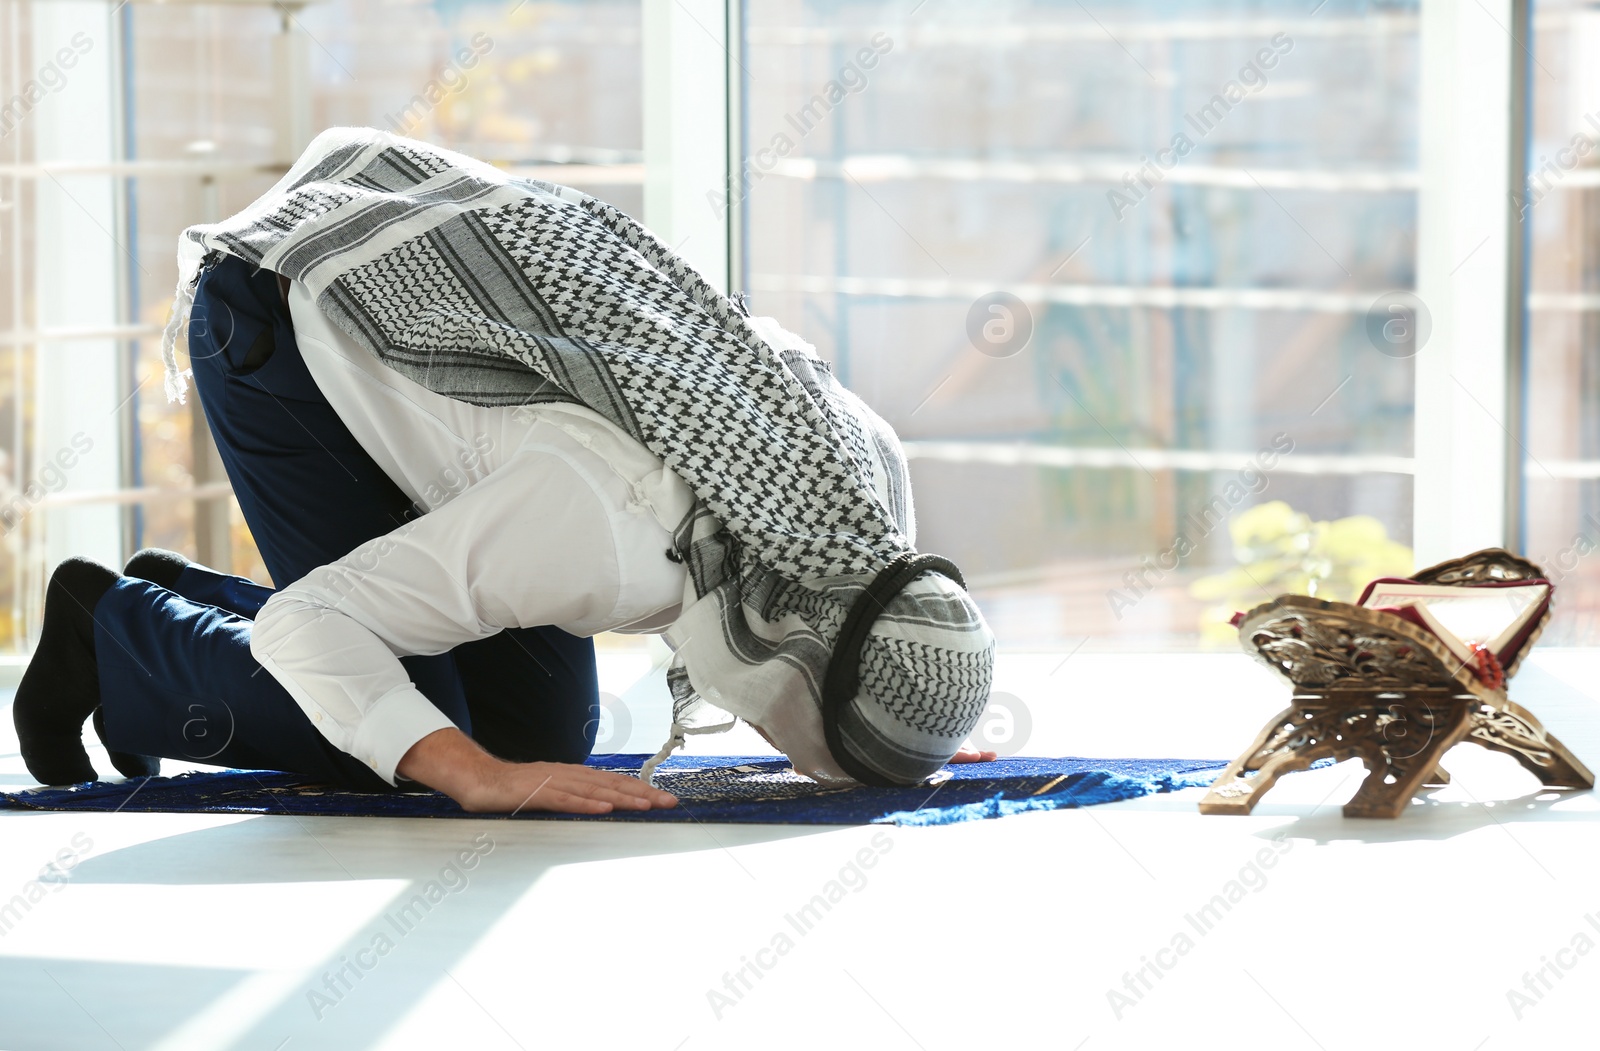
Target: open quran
1486 625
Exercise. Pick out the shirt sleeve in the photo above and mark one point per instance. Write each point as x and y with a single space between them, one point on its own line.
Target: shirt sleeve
530 545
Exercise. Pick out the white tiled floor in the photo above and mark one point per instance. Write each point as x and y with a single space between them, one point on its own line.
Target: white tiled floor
207 932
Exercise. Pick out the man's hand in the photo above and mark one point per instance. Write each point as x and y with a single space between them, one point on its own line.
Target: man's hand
453 763
969 754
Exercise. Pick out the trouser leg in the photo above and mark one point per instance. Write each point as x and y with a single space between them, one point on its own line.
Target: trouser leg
309 492
177 681
238 595
434 676
532 694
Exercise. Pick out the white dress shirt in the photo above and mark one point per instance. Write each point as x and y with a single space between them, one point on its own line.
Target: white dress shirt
535 515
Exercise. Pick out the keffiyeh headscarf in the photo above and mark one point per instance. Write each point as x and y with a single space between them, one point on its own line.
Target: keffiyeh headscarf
501 291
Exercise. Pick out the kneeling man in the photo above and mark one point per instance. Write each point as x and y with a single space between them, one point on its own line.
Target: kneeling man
474 420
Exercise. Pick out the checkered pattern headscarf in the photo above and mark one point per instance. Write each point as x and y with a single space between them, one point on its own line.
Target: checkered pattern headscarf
500 291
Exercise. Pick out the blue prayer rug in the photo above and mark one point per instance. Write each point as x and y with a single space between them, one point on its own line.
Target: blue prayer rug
711 789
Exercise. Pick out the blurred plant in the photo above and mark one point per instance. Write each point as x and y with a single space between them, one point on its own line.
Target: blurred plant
1282 551
506 94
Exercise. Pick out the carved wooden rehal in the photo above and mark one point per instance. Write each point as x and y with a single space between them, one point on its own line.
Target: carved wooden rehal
1370 685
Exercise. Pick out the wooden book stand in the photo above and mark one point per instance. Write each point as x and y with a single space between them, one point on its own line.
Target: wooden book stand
1373 686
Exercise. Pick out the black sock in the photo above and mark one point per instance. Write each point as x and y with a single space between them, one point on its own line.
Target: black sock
61 687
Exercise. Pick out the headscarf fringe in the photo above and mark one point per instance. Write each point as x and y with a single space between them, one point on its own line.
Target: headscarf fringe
182 303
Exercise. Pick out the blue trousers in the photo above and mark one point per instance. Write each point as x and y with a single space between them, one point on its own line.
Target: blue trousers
176 676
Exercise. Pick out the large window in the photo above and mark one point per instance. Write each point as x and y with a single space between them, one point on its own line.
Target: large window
1140 284
1101 265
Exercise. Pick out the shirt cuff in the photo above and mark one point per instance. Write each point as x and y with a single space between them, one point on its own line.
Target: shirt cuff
395 722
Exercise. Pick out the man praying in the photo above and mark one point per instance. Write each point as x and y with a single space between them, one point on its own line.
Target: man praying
472 421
